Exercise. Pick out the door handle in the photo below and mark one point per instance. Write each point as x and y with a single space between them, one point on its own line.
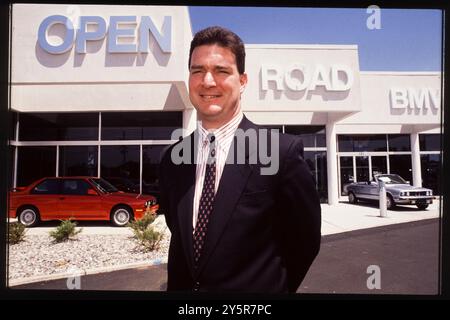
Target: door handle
62 198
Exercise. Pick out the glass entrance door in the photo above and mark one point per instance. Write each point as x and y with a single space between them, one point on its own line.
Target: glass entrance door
362 169
379 165
359 168
346 173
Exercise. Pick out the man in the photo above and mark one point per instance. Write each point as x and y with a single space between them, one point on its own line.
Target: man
233 227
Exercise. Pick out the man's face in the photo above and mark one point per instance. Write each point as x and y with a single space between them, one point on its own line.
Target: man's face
215 85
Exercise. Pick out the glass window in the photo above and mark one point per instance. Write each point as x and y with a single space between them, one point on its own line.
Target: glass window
401 165
34 163
346 173
362 169
58 126
430 142
362 143
312 136
150 164
11 150
49 186
140 125
120 162
75 187
275 127
78 161
345 143
399 142
317 162
379 165
431 172
12 125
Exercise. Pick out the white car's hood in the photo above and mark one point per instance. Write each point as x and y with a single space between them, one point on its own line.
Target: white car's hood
405 187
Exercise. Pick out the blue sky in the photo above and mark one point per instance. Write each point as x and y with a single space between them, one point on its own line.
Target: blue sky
409 39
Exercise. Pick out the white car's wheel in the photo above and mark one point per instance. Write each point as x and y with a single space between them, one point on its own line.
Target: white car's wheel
422 206
352 198
120 216
28 216
390 204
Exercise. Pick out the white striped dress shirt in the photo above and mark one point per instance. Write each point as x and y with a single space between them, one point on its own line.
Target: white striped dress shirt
223 139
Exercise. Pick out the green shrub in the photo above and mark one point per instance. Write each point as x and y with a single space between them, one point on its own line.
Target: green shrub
143 223
144 233
65 231
16 232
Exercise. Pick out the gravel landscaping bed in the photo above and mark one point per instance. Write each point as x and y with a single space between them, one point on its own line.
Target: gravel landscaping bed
39 255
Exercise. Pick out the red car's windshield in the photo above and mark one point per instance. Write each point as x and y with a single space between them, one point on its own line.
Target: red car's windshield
103 185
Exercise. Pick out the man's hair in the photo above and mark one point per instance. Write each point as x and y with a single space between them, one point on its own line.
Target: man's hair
223 38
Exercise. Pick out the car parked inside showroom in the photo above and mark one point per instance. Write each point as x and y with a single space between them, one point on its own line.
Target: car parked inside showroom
77 198
398 191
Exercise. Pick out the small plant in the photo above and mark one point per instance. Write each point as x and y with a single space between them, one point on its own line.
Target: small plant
148 238
142 223
16 232
65 231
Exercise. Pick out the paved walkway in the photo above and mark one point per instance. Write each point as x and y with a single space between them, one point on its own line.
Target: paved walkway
344 217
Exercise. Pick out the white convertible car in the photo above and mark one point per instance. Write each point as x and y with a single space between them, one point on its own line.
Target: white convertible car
398 191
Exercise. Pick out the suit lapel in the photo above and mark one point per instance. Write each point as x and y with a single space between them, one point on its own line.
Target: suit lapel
233 181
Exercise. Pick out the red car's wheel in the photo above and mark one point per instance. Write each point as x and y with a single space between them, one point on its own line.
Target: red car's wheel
120 216
28 216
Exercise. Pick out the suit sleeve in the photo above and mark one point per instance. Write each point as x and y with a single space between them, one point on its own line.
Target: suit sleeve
299 215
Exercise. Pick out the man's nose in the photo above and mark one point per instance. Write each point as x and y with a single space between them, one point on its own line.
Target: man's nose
208 80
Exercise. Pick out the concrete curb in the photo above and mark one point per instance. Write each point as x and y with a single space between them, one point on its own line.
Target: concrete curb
84 272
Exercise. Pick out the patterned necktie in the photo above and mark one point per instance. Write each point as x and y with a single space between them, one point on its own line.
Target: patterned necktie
206 201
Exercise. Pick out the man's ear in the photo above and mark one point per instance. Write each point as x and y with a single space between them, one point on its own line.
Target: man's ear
243 80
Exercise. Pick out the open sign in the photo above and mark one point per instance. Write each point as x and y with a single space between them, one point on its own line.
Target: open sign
139 35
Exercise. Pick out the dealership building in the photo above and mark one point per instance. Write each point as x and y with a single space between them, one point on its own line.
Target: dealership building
98 90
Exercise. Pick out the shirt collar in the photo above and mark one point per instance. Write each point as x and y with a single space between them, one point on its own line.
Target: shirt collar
223 133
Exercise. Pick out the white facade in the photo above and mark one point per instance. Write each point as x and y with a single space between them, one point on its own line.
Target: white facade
289 85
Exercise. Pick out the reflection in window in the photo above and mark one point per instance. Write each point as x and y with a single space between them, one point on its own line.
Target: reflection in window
140 125
346 172
50 186
279 128
12 125
75 187
317 162
401 165
399 142
430 142
34 163
150 163
78 161
58 126
312 136
363 142
431 172
120 162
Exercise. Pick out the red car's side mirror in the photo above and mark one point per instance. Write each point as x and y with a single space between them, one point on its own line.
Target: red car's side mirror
92 192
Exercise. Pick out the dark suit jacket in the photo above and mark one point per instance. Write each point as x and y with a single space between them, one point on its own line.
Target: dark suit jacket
264 231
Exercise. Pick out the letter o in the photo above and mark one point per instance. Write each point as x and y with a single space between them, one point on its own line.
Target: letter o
68 39
293 83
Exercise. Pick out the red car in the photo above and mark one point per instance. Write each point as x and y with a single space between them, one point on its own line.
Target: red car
79 198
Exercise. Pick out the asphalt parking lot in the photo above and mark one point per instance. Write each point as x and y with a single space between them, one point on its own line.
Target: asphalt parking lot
407 256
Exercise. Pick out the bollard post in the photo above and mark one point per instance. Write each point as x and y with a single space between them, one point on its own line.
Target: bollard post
383 205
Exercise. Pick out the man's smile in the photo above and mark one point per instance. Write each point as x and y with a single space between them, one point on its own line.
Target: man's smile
208 97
